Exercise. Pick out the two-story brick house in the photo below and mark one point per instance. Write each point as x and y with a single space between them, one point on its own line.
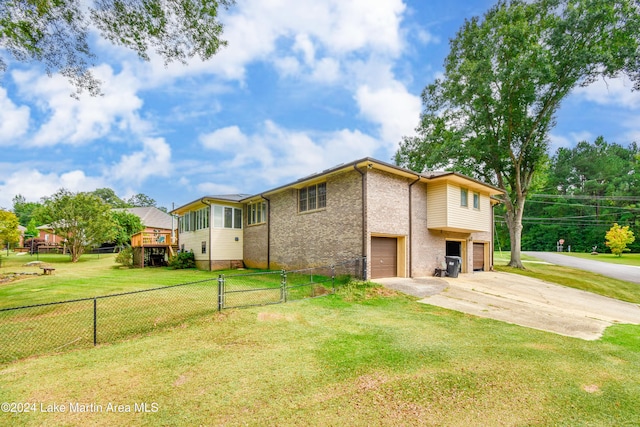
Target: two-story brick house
403 222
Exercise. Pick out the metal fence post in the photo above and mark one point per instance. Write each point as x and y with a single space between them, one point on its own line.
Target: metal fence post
95 322
220 292
283 286
333 278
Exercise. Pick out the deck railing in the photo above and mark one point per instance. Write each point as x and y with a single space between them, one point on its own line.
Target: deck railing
151 239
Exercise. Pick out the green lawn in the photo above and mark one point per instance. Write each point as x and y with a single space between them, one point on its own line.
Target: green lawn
626 258
99 312
92 276
365 356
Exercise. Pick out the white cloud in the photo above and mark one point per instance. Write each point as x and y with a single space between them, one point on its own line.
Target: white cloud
426 37
393 108
33 184
257 30
14 120
76 122
615 92
224 138
327 70
559 141
303 43
275 155
287 66
153 160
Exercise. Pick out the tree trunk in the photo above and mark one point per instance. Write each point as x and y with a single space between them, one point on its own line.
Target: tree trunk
513 219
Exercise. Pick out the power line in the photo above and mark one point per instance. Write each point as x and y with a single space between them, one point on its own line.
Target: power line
581 205
573 196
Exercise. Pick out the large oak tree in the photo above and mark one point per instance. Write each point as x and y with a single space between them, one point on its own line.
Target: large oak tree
506 75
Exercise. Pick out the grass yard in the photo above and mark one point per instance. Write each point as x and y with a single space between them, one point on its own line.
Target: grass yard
625 259
92 276
156 298
366 356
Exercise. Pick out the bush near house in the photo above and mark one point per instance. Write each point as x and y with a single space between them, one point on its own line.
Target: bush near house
182 260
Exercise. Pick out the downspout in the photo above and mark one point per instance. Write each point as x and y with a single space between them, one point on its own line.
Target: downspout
210 248
410 255
364 217
268 231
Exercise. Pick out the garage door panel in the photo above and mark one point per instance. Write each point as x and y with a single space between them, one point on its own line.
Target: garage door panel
384 257
478 256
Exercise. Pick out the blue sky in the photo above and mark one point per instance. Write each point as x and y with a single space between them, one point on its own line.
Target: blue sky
302 86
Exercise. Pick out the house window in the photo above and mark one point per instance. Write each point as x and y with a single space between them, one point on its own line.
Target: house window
195 220
312 197
257 213
476 201
204 246
227 217
464 197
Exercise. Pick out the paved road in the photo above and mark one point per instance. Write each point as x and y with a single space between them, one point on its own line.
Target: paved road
617 271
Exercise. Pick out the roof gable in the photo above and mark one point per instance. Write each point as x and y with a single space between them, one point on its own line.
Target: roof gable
151 217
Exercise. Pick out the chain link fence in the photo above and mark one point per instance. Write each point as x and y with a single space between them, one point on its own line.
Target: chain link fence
81 323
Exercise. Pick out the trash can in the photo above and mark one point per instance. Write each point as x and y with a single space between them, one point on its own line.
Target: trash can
453 265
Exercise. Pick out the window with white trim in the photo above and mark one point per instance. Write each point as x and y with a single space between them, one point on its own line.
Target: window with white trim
464 197
312 198
476 201
195 220
227 217
257 213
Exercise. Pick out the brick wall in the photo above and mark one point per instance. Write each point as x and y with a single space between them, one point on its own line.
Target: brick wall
321 237
255 245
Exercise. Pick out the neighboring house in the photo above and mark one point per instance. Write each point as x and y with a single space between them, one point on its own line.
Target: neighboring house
403 222
50 238
153 245
153 219
21 229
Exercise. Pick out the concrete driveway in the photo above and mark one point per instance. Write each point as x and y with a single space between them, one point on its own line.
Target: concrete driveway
522 301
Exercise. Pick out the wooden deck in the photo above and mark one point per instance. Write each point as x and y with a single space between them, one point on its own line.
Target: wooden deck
150 248
146 239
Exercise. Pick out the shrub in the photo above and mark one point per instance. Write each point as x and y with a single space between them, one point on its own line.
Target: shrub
183 260
125 257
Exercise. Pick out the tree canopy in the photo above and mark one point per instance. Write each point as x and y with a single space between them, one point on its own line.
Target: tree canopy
141 200
110 197
125 225
24 210
505 78
9 232
581 193
618 237
83 219
55 32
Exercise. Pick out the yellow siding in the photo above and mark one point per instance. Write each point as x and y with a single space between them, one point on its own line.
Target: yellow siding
446 213
437 205
221 242
192 241
224 245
